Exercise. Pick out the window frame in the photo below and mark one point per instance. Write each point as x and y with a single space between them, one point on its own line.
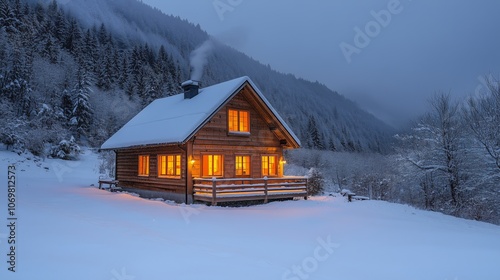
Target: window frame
141 170
177 166
203 165
276 165
238 121
249 164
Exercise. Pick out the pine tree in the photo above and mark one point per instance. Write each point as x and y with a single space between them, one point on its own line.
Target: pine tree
90 53
60 26
67 105
123 73
82 111
105 73
314 134
73 38
102 35
331 145
8 17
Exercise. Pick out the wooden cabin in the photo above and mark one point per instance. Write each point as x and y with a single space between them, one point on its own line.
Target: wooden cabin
220 143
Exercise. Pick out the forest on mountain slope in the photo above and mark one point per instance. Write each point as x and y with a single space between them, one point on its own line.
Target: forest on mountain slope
65 74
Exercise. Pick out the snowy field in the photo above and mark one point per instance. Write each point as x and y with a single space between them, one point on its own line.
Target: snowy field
68 229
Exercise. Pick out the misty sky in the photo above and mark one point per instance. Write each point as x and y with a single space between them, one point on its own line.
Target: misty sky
425 46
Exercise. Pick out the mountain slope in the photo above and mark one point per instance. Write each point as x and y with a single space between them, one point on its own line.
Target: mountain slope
89 65
339 120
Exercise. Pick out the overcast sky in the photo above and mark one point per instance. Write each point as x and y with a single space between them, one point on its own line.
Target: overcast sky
389 56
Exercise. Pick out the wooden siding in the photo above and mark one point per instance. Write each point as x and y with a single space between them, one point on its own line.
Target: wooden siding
127 169
214 138
215 132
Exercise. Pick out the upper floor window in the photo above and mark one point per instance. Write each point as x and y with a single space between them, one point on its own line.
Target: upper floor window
269 166
212 165
238 121
143 169
169 165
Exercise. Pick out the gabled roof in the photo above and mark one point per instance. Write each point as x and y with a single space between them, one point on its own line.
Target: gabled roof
174 120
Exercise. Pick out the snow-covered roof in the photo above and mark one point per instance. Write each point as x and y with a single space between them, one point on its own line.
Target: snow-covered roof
174 120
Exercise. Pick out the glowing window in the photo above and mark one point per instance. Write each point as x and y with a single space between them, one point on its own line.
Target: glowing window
212 165
238 121
169 165
269 166
143 169
242 164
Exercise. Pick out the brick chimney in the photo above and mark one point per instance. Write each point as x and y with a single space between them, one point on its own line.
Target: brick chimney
191 88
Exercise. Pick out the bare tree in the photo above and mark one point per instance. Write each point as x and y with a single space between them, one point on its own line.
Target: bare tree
439 133
482 116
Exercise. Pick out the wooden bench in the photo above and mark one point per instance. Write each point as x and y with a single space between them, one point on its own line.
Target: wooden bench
350 195
113 184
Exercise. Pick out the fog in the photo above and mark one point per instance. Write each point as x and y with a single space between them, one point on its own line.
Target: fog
408 50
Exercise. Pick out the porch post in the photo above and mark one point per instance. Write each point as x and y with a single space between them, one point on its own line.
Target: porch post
214 191
265 189
189 172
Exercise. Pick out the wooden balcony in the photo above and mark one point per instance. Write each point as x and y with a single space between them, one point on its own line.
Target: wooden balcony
239 189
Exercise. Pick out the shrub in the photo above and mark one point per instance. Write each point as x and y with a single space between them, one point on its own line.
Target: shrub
315 182
67 150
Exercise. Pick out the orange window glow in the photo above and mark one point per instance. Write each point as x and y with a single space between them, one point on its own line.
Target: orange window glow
242 164
212 165
238 121
169 165
143 169
269 166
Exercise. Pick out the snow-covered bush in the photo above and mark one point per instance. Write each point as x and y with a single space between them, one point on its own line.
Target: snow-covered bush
9 139
67 150
315 182
35 142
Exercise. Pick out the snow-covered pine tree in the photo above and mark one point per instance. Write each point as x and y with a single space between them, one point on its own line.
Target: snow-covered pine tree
82 111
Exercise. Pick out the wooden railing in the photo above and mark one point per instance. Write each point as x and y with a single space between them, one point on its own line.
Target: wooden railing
238 189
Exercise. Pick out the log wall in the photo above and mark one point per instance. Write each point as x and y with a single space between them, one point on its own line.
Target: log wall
127 170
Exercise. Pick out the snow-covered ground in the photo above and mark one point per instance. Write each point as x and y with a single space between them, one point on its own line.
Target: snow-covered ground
68 229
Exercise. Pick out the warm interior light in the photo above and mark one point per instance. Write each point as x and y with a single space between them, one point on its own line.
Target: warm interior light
192 161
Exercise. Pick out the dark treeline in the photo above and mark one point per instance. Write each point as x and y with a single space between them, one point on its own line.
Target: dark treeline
58 79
